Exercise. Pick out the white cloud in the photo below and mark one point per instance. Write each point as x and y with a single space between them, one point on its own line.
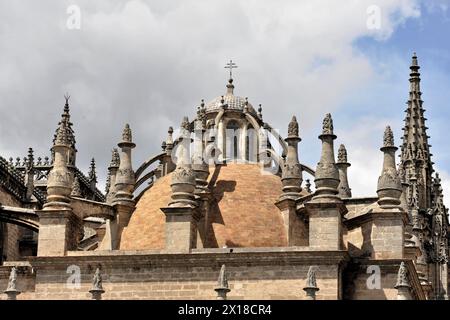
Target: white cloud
150 62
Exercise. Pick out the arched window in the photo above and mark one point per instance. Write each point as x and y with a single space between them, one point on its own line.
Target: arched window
232 140
251 144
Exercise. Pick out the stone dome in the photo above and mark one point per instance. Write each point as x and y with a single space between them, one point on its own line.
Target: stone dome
233 102
242 213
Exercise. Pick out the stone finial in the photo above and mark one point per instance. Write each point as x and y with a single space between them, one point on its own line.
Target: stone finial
308 186
97 287
327 174
200 121
127 135
342 164
60 178
169 140
389 188
92 174
327 124
108 184
402 285
388 138
30 160
76 188
260 116
311 284
414 62
342 154
402 276
115 158
246 105
185 124
11 291
293 127
29 175
222 284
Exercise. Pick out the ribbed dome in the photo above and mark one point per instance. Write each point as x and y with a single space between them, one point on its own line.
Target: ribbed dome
242 213
233 102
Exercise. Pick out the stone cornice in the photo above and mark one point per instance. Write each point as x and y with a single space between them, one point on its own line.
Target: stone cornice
142 259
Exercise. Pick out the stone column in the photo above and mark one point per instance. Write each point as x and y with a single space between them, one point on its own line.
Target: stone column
326 207
60 229
291 179
182 213
342 164
222 284
311 284
123 202
403 287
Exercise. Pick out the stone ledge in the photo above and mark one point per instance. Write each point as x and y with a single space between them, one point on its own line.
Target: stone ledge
128 259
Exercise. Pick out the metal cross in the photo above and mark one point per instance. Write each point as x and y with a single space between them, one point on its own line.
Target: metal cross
231 65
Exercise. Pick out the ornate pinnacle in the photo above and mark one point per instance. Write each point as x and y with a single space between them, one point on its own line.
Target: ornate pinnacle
311 285
342 154
308 186
92 174
293 127
185 124
126 135
260 111
327 173
30 160
389 187
222 284
62 135
291 169
342 164
388 140
402 277
76 188
311 278
222 281
327 124
115 159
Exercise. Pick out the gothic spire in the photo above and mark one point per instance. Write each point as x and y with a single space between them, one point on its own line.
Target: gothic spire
415 150
92 174
65 130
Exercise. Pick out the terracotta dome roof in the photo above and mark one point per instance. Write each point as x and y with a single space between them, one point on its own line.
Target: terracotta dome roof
242 214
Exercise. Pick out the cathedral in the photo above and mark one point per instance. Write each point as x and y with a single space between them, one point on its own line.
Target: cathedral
226 210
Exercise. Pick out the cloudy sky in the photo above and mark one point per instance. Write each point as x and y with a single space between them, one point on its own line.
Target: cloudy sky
150 62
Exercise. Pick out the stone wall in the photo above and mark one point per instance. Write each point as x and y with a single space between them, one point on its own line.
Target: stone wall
360 284
263 275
